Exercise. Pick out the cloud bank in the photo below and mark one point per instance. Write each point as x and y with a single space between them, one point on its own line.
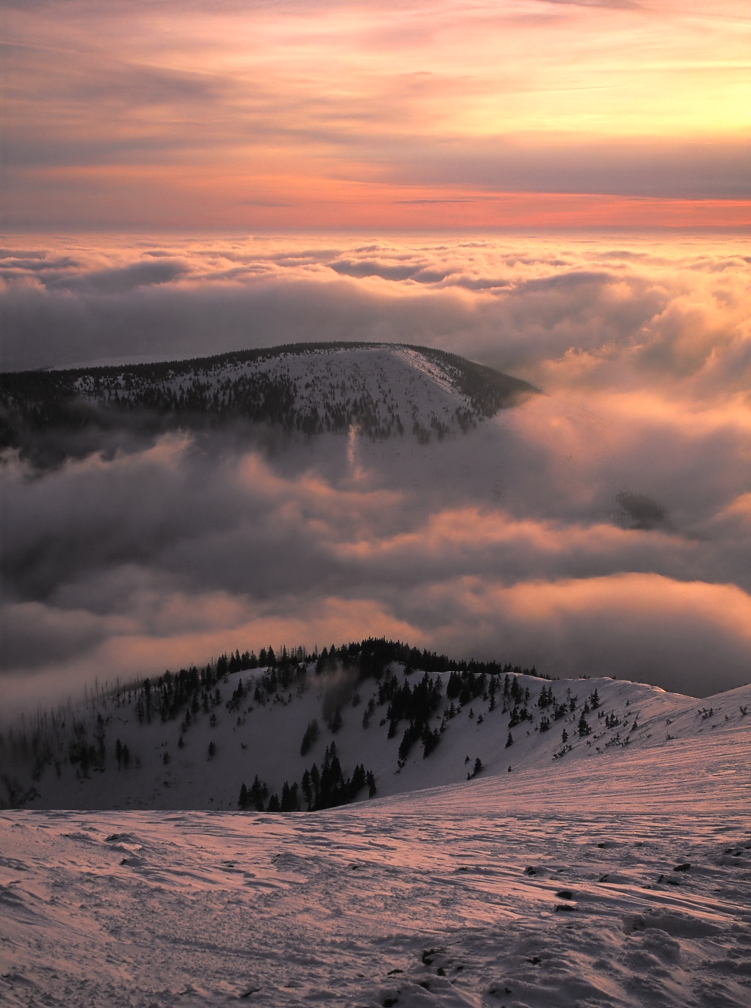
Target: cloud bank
602 528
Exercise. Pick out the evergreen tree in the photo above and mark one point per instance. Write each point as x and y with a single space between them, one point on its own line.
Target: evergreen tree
258 794
357 781
559 710
289 798
430 740
307 789
509 741
309 738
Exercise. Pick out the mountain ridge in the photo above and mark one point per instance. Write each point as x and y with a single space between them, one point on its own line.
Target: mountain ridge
203 738
382 389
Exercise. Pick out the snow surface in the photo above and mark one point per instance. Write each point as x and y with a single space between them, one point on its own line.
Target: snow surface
613 877
523 889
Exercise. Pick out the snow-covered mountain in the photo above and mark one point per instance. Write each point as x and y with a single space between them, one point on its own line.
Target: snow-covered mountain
478 835
382 389
616 875
193 739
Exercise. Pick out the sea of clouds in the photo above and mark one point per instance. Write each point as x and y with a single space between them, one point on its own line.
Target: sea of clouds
601 528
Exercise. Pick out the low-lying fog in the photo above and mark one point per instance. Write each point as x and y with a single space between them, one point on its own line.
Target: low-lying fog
602 528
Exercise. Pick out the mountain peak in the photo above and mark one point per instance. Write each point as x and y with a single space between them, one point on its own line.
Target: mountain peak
382 389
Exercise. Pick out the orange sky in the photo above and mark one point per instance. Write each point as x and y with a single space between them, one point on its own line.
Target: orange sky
308 114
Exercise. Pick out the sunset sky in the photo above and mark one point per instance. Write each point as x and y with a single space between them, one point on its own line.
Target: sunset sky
311 114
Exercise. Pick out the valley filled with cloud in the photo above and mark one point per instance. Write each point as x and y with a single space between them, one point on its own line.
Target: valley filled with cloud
601 527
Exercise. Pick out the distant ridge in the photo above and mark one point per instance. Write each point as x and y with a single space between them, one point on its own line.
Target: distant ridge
384 389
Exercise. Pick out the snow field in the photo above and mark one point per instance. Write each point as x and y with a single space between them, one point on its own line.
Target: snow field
624 881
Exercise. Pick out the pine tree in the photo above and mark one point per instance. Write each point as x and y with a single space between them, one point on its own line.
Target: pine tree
309 738
307 789
509 741
430 740
257 794
357 782
289 798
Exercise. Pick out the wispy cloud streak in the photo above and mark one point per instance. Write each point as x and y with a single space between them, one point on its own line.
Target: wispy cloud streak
342 113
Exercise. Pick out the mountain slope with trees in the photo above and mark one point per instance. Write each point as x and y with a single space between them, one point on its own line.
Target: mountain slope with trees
301 732
384 390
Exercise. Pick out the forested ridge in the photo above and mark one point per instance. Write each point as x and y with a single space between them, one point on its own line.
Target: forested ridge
253 386
83 740
288 730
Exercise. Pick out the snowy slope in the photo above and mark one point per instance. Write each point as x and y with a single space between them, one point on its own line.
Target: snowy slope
262 734
381 389
612 870
621 881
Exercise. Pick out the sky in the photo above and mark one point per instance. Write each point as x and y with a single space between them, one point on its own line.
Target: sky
559 190
329 114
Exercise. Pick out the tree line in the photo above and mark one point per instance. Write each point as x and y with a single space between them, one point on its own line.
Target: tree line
319 789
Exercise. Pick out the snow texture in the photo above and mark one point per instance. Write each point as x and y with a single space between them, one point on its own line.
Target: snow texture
620 877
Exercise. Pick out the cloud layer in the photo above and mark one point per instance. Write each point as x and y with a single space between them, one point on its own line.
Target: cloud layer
601 528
